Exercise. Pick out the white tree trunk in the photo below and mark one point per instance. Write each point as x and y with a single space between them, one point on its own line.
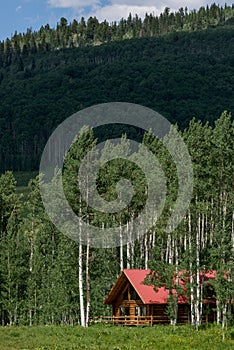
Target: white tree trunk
81 289
212 221
191 269
198 296
87 284
132 244
146 251
224 320
218 315
177 278
169 250
31 239
80 271
128 245
121 255
203 231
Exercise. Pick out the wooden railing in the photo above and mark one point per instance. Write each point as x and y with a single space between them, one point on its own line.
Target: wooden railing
124 320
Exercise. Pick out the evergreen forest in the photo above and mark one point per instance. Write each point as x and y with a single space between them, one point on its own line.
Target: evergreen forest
179 64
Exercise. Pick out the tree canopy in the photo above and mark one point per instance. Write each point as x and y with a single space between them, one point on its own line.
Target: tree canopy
182 74
39 265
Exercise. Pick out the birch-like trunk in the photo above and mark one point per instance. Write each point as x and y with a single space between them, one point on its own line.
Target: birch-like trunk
198 296
176 280
201 299
132 251
218 312
87 284
224 320
31 239
128 246
202 230
212 221
121 254
80 271
191 281
87 257
169 250
146 251
81 289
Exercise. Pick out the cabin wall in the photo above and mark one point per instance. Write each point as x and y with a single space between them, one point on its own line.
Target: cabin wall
133 308
158 311
127 302
126 307
183 315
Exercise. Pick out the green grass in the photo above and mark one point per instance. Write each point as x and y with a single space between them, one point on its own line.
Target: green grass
101 337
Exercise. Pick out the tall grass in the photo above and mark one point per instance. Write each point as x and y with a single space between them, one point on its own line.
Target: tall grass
101 337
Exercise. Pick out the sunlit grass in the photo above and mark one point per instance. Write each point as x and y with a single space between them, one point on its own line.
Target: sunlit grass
101 337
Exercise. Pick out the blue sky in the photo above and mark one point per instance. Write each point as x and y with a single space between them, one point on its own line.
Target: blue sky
18 15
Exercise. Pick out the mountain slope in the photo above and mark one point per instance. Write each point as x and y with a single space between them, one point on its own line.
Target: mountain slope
181 75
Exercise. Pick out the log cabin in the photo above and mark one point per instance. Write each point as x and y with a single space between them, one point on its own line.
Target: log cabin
135 303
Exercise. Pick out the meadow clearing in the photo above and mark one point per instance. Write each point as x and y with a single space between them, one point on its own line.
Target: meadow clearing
107 337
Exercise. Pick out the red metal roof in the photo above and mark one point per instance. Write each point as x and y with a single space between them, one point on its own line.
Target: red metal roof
147 293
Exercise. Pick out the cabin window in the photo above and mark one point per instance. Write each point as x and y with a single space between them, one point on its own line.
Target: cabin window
125 296
140 311
124 311
129 293
132 294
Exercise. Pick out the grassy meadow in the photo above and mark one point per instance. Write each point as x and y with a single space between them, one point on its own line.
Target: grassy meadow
104 337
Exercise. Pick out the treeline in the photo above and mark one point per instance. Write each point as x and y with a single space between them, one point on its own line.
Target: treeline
77 34
180 75
46 278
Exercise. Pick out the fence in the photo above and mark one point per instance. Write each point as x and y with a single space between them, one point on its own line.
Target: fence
124 320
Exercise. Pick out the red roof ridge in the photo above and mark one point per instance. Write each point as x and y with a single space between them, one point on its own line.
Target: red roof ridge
147 293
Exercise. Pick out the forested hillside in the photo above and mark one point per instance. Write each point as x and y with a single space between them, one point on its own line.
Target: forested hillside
39 269
93 32
181 65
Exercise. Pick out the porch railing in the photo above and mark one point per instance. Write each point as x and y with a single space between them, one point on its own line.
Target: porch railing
125 320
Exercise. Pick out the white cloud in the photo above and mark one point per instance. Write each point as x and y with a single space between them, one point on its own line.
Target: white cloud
116 12
72 3
191 4
172 4
118 9
18 8
134 3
